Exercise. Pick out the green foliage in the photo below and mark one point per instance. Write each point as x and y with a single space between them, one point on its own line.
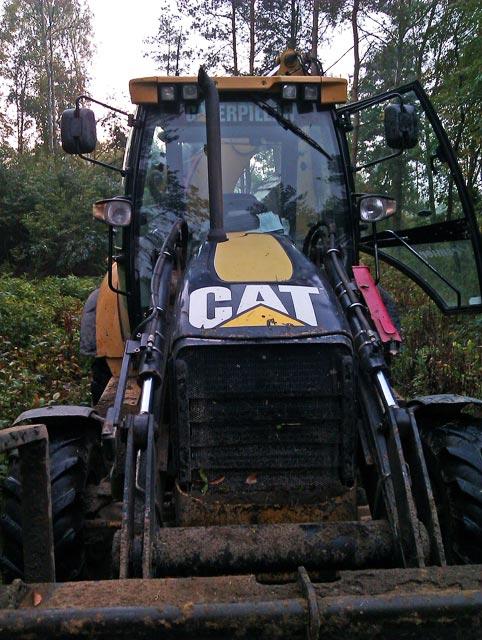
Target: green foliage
45 212
439 354
39 337
45 50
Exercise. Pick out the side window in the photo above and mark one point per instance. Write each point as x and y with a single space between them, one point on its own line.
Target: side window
156 177
433 235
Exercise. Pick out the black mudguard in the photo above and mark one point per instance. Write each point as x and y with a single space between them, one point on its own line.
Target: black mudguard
446 405
57 415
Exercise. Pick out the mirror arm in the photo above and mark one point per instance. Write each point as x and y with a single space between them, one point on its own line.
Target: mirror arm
130 120
123 172
373 162
102 104
360 105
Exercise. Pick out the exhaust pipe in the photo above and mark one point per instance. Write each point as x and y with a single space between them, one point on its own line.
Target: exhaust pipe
215 176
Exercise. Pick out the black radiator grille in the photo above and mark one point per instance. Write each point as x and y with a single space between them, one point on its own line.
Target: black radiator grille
285 411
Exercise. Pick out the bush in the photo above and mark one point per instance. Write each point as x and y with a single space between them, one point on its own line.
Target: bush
39 353
46 214
440 354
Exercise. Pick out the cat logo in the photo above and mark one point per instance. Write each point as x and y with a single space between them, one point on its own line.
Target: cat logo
253 305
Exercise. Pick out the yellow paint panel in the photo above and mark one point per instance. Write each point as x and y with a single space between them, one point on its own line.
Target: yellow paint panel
333 90
252 257
109 340
262 316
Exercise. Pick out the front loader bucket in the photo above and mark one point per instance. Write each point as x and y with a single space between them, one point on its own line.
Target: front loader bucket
427 603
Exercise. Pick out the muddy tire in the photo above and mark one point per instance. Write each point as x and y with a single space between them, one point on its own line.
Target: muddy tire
71 456
453 453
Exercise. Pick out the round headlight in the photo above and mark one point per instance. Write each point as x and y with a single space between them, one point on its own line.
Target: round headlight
371 209
375 208
118 213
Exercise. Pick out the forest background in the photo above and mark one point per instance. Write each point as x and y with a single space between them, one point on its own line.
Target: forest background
51 252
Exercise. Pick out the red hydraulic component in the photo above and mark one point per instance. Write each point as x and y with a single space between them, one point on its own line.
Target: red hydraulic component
373 300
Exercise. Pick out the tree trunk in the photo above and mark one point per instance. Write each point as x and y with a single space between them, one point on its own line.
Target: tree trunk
428 169
251 37
314 28
294 25
356 79
178 50
399 163
45 19
233 38
51 80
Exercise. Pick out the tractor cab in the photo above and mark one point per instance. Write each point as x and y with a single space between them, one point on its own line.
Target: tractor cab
295 159
283 165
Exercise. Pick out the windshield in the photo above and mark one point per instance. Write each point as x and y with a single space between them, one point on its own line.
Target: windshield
282 172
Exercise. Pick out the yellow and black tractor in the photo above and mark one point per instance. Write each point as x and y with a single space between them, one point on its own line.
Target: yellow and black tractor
248 470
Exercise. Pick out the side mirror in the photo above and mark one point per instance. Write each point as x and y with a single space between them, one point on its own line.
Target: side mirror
373 208
78 131
401 126
116 212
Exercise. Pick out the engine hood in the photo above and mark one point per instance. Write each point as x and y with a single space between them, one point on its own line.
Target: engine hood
256 286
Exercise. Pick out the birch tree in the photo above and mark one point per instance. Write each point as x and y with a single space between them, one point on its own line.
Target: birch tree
46 50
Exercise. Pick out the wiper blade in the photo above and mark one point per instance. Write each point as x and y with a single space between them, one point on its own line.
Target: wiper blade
287 124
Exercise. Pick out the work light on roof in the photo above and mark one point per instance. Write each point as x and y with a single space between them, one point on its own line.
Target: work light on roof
190 92
168 92
289 91
310 92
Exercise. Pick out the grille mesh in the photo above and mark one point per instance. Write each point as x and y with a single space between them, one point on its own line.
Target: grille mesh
285 410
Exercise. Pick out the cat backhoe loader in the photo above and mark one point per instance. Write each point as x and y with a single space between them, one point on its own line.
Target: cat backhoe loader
249 469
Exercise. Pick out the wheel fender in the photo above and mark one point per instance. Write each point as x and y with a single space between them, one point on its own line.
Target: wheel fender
59 415
109 325
446 404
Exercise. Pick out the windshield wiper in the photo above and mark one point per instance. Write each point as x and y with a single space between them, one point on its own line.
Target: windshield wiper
287 124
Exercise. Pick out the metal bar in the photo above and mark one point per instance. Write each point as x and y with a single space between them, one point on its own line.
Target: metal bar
102 104
369 102
410 614
149 502
127 530
110 256
18 436
309 592
215 172
219 550
248 620
427 264
377 161
385 389
422 489
32 442
411 532
433 603
146 395
451 614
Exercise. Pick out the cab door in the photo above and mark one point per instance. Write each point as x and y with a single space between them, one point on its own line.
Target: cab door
434 237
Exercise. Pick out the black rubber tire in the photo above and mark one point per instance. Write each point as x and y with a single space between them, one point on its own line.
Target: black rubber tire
71 455
100 376
453 453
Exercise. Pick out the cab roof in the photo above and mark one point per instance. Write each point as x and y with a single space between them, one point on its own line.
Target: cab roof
332 90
